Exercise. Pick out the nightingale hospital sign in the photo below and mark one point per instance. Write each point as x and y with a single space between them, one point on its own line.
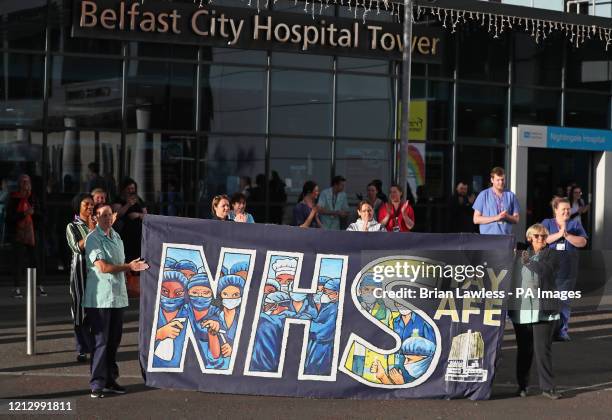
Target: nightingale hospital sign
184 23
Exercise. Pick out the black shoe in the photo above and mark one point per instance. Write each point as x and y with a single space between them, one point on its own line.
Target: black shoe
551 394
96 393
41 291
562 338
17 294
522 392
114 388
82 357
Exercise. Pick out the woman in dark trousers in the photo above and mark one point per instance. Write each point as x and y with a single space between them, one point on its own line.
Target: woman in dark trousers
76 232
130 209
535 318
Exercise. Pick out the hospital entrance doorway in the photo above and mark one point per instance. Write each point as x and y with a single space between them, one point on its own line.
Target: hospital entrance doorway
550 170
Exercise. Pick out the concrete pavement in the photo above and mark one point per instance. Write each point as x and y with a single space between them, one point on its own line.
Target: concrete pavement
583 371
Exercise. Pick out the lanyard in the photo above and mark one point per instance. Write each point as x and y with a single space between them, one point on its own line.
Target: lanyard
499 202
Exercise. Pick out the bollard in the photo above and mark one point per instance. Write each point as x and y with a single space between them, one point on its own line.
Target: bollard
31 312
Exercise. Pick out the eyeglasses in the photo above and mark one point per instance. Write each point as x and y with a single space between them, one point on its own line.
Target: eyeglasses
539 235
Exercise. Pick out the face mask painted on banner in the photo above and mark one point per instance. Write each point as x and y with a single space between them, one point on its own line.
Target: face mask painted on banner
171 304
200 303
231 303
286 287
297 296
416 369
368 298
325 298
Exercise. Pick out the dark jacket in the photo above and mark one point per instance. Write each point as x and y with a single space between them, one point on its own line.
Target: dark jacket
13 216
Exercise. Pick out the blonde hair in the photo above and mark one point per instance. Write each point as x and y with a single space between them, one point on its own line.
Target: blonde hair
537 228
216 200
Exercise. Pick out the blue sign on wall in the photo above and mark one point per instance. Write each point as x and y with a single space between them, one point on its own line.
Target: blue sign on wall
565 138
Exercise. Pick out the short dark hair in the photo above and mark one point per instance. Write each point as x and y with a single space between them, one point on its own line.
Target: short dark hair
237 198
94 167
99 206
337 179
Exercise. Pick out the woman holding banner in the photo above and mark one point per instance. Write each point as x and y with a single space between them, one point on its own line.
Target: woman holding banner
535 318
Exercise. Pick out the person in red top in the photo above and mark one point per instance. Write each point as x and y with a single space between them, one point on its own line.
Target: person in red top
396 215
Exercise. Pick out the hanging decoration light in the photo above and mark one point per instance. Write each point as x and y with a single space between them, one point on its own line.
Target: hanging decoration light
496 24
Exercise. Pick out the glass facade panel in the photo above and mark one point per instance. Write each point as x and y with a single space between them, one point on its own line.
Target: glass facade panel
360 162
590 67
20 25
160 95
85 92
235 56
474 164
21 152
163 50
482 57
307 61
301 103
538 107
432 104
587 110
538 63
21 89
232 94
226 163
297 161
431 186
365 95
481 113
364 65
164 168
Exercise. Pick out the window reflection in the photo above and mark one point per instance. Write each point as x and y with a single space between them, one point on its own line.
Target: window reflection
21 88
531 106
481 113
230 165
232 94
431 104
474 164
165 90
538 63
85 92
590 67
301 102
587 110
365 95
362 161
297 161
481 57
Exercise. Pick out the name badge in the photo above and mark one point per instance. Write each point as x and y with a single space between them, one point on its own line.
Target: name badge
560 246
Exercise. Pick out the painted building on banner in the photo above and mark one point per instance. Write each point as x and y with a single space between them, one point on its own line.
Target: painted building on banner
193 102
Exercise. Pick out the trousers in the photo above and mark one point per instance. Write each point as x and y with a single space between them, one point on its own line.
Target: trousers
106 328
535 338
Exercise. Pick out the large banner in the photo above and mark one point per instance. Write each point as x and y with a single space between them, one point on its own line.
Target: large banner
278 310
